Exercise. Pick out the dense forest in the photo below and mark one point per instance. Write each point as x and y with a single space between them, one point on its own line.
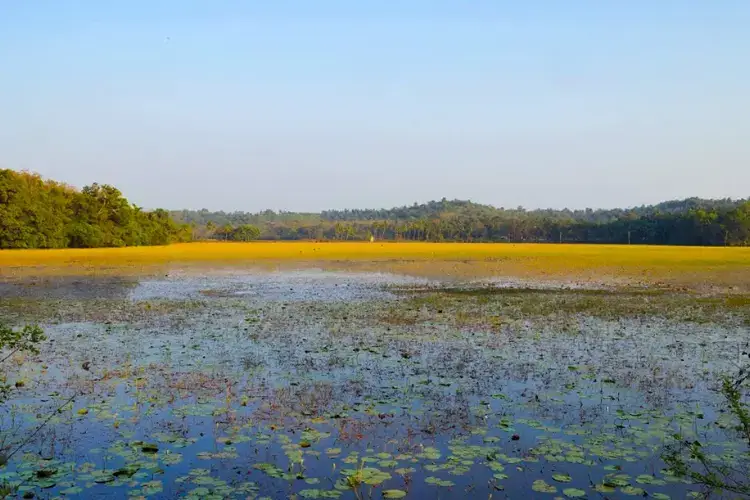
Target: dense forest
38 213
692 221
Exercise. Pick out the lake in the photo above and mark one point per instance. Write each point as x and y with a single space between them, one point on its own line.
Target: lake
315 384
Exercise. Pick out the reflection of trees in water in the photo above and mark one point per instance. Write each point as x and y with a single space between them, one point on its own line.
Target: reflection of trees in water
445 413
312 399
17 432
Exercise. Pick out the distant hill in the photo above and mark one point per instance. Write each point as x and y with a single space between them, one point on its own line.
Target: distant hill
450 208
692 221
429 210
672 207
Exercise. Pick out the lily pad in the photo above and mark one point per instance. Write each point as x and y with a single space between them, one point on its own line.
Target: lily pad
605 488
632 491
574 493
149 448
317 493
541 486
394 494
152 488
439 482
73 490
648 479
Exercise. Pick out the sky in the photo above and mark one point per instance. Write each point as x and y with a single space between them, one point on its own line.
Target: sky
303 106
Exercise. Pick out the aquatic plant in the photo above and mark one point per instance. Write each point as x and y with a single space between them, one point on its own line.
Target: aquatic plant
330 386
14 340
691 459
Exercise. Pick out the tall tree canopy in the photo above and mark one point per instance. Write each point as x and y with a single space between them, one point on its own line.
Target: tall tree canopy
38 213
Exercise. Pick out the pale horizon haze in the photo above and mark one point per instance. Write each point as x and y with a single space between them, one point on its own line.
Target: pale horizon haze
305 106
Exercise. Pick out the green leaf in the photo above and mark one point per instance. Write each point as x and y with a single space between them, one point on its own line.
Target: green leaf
632 490
394 494
152 488
73 490
316 493
574 493
648 479
541 486
439 482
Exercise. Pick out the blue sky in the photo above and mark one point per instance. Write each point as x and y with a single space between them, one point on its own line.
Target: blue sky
303 105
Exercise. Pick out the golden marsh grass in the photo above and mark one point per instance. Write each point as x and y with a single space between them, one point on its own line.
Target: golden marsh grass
696 266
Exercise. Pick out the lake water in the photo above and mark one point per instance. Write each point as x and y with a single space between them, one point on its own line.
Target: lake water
324 385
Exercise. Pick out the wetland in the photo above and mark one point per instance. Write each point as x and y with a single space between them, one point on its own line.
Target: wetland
320 383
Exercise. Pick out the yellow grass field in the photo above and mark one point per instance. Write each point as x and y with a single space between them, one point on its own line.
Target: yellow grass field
689 266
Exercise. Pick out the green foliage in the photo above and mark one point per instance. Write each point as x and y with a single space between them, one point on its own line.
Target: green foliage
212 220
687 222
245 232
37 213
688 459
731 389
14 340
24 339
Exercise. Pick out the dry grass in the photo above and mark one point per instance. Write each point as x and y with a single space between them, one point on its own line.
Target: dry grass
688 266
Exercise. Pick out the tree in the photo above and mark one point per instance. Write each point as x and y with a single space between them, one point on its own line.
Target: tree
37 213
245 232
226 231
736 226
210 228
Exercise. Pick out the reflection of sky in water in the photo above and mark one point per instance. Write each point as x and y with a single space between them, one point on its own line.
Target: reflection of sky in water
290 286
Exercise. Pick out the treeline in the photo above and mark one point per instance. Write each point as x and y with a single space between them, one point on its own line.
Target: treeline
454 208
692 221
204 217
436 209
40 213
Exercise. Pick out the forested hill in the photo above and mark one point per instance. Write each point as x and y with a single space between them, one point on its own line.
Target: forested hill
445 207
452 208
692 221
416 211
38 213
